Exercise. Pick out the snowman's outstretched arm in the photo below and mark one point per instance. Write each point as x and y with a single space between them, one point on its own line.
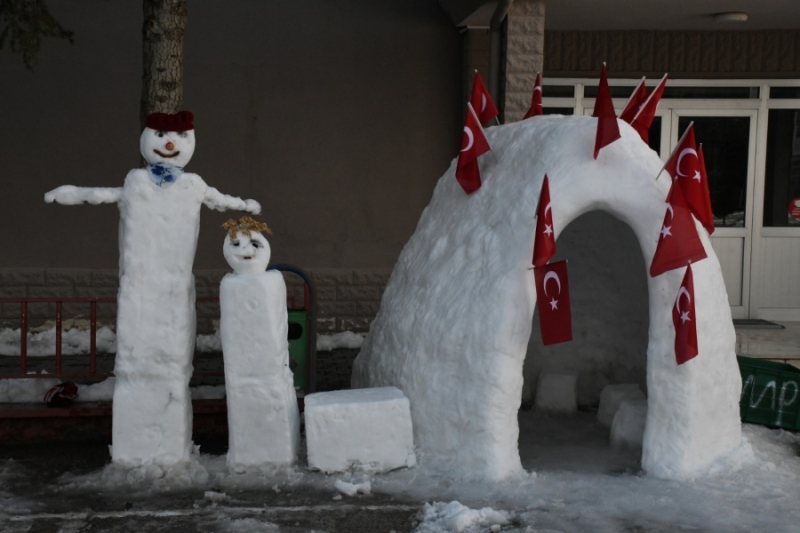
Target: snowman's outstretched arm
72 195
222 202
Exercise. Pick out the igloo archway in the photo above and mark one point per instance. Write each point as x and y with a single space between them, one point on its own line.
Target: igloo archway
455 318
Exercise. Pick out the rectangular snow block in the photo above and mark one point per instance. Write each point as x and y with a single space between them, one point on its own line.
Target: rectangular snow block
627 428
612 396
366 428
770 393
557 393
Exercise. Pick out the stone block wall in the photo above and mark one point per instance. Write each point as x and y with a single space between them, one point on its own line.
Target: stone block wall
347 299
524 56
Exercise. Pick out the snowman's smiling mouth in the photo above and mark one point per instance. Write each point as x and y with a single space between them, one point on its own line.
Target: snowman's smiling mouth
166 155
247 257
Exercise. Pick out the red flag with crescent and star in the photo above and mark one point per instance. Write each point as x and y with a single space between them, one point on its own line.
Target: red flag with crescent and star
679 242
536 108
544 242
552 298
607 127
647 112
473 145
637 98
482 101
688 170
684 319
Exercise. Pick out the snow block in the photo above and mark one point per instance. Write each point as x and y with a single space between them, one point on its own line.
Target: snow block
627 429
456 316
557 393
263 417
365 428
612 396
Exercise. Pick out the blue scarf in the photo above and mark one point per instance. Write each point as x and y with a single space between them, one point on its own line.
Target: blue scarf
164 173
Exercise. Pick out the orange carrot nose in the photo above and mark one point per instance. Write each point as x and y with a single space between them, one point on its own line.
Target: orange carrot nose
170 146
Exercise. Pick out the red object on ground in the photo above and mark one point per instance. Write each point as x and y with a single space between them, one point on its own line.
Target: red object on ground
473 145
544 241
536 99
552 298
482 101
794 207
61 395
685 320
607 127
678 244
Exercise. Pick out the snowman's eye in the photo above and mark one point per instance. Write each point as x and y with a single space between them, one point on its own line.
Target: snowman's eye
235 243
256 244
160 133
184 134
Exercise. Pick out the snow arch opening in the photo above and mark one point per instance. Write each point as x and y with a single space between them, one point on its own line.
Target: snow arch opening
455 318
609 300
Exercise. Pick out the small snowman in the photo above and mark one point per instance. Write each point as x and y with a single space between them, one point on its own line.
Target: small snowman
263 418
159 223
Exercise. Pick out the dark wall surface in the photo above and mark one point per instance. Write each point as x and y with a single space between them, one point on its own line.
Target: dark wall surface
337 116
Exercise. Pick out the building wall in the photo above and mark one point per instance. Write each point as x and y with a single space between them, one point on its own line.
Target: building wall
338 117
683 54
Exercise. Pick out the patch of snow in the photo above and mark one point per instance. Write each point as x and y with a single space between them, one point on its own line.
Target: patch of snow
74 341
351 489
345 339
612 396
211 343
557 393
26 390
454 517
627 428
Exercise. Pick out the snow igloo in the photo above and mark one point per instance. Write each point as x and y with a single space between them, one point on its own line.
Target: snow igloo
456 317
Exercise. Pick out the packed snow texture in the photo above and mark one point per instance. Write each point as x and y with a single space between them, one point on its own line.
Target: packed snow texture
366 428
159 225
453 517
627 428
556 393
345 339
455 319
263 417
612 396
351 489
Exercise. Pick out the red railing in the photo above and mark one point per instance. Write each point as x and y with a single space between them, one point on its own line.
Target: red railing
93 373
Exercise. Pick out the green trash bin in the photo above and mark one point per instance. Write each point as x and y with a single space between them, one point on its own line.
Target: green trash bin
770 393
298 347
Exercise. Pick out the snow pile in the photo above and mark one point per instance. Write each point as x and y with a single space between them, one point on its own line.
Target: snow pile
455 318
26 390
627 428
345 339
351 489
556 393
366 428
263 416
97 392
453 517
612 396
210 343
74 341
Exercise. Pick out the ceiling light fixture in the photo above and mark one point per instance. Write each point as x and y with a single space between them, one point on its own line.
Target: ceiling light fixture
731 16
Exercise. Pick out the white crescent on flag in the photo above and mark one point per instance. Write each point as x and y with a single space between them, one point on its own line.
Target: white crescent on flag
683 154
678 299
546 209
483 102
470 139
548 276
671 211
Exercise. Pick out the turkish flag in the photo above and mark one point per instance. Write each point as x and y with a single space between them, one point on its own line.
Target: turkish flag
685 320
688 170
678 243
644 117
638 97
473 145
536 99
544 242
482 101
607 127
552 298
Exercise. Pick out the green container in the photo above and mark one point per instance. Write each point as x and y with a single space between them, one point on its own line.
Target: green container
298 347
770 393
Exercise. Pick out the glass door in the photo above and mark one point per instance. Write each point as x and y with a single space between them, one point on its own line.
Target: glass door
728 137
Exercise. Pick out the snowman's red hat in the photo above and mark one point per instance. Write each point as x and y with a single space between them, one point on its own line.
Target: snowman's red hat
181 121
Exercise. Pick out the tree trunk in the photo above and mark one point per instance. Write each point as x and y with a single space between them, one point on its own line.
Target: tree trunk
162 46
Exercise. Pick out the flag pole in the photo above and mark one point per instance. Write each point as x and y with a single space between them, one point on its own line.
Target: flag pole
673 150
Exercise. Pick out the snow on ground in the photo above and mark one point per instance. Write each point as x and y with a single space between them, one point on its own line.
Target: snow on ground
575 482
75 341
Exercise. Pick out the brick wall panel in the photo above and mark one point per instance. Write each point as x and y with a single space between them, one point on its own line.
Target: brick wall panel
647 52
21 277
630 46
708 52
771 49
693 42
661 52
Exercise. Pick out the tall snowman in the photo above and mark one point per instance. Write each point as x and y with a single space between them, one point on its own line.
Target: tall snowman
159 223
263 418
